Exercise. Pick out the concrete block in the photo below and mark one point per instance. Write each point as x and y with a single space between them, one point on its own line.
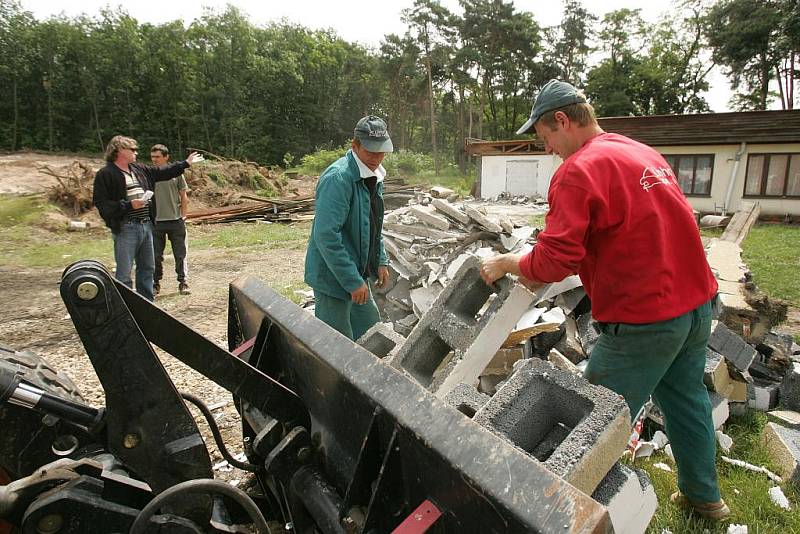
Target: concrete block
466 399
716 377
629 497
762 395
588 332
427 215
560 361
569 345
570 300
786 418
719 409
482 219
737 409
381 340
450 210
784 445
554 289
577 429
790 388
422 297
468 318
738 353
405 325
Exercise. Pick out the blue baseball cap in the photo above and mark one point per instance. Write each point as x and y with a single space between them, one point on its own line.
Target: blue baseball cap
555 94
371 131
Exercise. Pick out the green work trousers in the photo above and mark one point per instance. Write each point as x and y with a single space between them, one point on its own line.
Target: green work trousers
345 316
666 360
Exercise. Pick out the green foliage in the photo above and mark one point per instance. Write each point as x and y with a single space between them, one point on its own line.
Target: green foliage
772 252
408 163
218 178
316 162
267 191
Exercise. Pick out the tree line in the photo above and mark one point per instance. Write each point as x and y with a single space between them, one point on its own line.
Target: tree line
275 92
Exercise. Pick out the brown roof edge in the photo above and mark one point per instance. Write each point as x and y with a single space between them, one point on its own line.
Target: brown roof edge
757 127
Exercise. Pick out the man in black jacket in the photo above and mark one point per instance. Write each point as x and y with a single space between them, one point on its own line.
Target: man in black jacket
123 196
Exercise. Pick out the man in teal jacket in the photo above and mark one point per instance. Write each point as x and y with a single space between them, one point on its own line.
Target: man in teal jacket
345 250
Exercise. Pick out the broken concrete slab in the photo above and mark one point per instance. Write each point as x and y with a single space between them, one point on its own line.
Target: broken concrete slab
539 402
719 409
403 265
466 399
569 300
521 333
419 230
561 361
738 353
629 497
439 191
381 340
588 332
786 418
427 215
422 297
790 388
716 376
784 445
401 294
550 291
450 210
482 219
554 315
405 325
762 395
569 345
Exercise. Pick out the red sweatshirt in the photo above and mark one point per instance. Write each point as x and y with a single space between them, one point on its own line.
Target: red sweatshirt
619 219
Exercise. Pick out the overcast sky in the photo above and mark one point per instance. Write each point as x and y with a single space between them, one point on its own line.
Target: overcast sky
353 20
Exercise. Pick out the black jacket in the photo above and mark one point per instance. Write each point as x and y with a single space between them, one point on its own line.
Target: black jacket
110 195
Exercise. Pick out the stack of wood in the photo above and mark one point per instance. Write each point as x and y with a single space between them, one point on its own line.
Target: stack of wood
291 209
74 189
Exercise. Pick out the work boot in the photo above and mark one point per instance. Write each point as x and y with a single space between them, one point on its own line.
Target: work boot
710 510
183 288
156 288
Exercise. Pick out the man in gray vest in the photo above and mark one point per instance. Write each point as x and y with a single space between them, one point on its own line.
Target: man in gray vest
172 205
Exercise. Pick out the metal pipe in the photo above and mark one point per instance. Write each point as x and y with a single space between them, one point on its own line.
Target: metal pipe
736 159
319 498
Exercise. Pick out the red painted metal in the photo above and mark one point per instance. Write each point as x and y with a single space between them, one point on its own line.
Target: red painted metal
420 519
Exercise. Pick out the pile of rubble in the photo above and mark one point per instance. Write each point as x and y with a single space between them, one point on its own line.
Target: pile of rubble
512 361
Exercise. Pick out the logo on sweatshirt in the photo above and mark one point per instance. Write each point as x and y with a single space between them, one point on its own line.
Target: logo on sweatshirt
652 177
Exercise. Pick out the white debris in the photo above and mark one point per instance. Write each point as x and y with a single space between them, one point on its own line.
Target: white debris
223 467
757 468
235 482
644 449
776 496
668 451
554 315
660 439
663 467
724 440
737 529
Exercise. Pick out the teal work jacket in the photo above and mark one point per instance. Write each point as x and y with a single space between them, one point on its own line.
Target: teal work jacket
336 259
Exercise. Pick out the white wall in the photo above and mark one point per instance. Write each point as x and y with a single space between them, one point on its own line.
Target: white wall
493 175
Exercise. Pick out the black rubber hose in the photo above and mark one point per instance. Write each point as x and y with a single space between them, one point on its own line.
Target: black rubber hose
217 436
201 485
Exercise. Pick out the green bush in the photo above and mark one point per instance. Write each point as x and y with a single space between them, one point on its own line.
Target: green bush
407 163
318 161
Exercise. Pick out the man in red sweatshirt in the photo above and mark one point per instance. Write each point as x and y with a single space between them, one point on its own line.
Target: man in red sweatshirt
619 220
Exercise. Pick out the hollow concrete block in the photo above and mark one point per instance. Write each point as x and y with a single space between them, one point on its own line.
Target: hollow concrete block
578 430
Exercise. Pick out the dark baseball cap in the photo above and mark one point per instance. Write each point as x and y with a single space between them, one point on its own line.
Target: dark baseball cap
372 133
555 94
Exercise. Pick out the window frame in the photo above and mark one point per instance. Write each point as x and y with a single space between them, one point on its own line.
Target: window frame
765 171
695 157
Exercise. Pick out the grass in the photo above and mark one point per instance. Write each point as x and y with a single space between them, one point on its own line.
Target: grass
743 490
26 243
269 236
772 252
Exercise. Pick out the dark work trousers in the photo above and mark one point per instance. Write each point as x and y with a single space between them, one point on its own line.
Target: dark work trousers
176 231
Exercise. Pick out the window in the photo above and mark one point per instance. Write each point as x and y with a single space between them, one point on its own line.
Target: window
772 175
693 172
